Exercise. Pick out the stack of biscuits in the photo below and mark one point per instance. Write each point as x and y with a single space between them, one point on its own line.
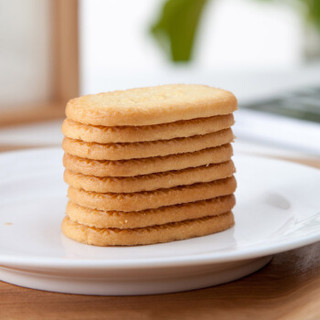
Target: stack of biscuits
149 165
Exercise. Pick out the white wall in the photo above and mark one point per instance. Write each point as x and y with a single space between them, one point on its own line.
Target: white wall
235 36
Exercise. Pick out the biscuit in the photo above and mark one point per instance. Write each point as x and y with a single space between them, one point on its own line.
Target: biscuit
151 217
166 131
150 182
136 150
152 199
134 167
152 105
149 235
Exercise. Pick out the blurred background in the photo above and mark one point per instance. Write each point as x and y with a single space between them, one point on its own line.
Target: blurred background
266 51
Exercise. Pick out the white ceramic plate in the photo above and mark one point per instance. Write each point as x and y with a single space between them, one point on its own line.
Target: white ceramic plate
277 209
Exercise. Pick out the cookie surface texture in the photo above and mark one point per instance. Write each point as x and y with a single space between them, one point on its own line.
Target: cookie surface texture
152 105
149 235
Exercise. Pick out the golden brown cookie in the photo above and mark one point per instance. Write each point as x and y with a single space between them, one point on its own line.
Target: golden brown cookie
137 150
135 167
149 235
152 105
166 131
152 199
150 182
145 218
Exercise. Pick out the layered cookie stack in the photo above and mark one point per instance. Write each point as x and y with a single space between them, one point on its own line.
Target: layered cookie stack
149 165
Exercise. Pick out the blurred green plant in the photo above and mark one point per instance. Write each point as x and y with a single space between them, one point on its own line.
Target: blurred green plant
176 27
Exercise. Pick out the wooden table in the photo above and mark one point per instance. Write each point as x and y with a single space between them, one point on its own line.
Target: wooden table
287 288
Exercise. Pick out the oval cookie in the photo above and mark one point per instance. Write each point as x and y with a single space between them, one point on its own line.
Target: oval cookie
152 105
150 182
145 218
166 131
149 235
135 167
152 199
136 150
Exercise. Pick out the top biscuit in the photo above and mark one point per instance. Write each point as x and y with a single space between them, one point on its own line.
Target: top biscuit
152 105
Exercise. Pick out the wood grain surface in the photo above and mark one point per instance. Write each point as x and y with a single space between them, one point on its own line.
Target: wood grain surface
288 288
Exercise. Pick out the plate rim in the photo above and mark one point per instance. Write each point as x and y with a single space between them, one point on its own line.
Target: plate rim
184 261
